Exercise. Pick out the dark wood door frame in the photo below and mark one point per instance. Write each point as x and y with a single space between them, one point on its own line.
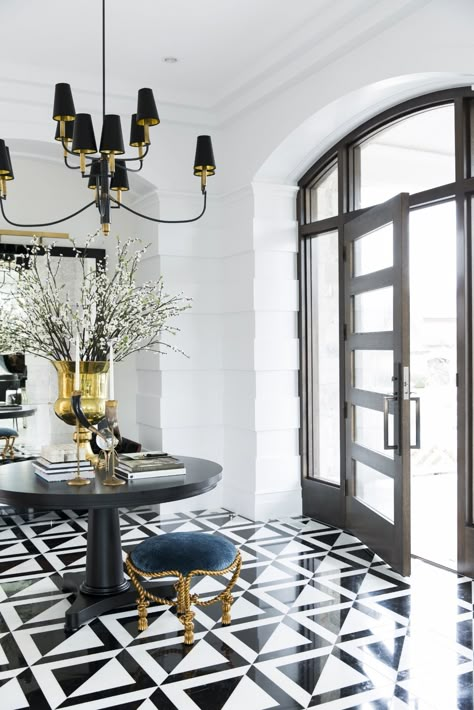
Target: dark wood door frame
326 501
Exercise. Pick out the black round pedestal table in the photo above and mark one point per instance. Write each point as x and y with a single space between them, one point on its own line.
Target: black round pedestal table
17 412
103 587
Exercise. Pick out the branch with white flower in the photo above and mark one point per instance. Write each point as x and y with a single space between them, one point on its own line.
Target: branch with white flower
40 314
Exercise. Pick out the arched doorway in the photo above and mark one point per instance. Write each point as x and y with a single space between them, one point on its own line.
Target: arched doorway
385 332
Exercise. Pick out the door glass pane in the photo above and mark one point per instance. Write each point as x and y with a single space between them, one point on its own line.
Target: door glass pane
373 370
368 429
322 196
325 310
374 251
433 332
411 155
373 310
374 489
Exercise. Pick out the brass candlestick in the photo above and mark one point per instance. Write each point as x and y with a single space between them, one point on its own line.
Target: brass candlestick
107 434
78 480
111 417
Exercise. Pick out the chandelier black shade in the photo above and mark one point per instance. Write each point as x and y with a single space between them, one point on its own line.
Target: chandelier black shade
119 181
83 139
137 133
5 164
111 141
9 175
63 109
147 113
93 174
106 174
204 159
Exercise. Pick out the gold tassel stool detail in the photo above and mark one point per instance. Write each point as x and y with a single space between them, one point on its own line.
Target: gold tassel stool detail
184 599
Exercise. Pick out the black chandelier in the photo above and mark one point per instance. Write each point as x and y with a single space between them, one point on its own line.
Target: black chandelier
106 173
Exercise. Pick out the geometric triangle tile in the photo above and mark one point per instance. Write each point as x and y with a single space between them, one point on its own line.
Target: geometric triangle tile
346 539
255 637
13 697
284 638
337 674
295 547
248 694
265 532
23 567
208 584
188 527
212 695
80 641
272 574
372 583
331 564
8 534
55 611
357 621
167 623
134 535
243 608
29 610
13 550
111 675
202 655
44 585
310 596
305 673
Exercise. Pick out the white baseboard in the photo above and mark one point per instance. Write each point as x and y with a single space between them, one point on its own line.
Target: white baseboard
263 506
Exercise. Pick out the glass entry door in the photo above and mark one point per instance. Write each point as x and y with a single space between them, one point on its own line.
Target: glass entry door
377 393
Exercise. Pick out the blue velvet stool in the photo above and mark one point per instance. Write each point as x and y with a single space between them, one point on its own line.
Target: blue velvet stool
183 555
8 436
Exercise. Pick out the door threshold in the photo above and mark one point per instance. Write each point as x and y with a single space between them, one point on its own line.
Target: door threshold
435 564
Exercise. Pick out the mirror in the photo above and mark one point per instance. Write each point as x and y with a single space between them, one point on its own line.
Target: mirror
34 377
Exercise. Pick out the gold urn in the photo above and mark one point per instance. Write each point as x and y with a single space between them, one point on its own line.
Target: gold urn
94 380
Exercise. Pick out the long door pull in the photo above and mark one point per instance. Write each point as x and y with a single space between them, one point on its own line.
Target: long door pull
417 444
386 401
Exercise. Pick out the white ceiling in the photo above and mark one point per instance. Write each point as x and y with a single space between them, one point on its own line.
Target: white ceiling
229 51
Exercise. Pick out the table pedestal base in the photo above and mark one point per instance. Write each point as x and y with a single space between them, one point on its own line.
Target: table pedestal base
103 587
86 607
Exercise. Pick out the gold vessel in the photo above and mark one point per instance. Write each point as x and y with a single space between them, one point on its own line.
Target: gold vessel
94 380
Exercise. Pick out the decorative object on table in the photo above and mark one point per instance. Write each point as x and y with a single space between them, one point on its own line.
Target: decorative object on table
107 434
176 555
64 470
106 175
9 436
110 313
148 465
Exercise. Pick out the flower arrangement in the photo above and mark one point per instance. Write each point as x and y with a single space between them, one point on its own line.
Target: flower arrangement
41 314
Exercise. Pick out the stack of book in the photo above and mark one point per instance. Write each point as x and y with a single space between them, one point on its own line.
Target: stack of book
149 464
61 470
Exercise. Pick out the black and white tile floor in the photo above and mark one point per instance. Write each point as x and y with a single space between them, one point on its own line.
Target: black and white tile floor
318 621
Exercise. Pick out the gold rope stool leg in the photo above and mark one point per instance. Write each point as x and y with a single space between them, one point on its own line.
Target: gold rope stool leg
142 606
227 601
186 616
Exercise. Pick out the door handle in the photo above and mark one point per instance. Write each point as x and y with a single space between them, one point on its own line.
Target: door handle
386 401
417 444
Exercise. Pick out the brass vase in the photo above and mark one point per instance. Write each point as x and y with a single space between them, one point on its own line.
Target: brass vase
94 380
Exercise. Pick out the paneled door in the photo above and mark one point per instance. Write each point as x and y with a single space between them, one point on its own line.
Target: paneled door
377 380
